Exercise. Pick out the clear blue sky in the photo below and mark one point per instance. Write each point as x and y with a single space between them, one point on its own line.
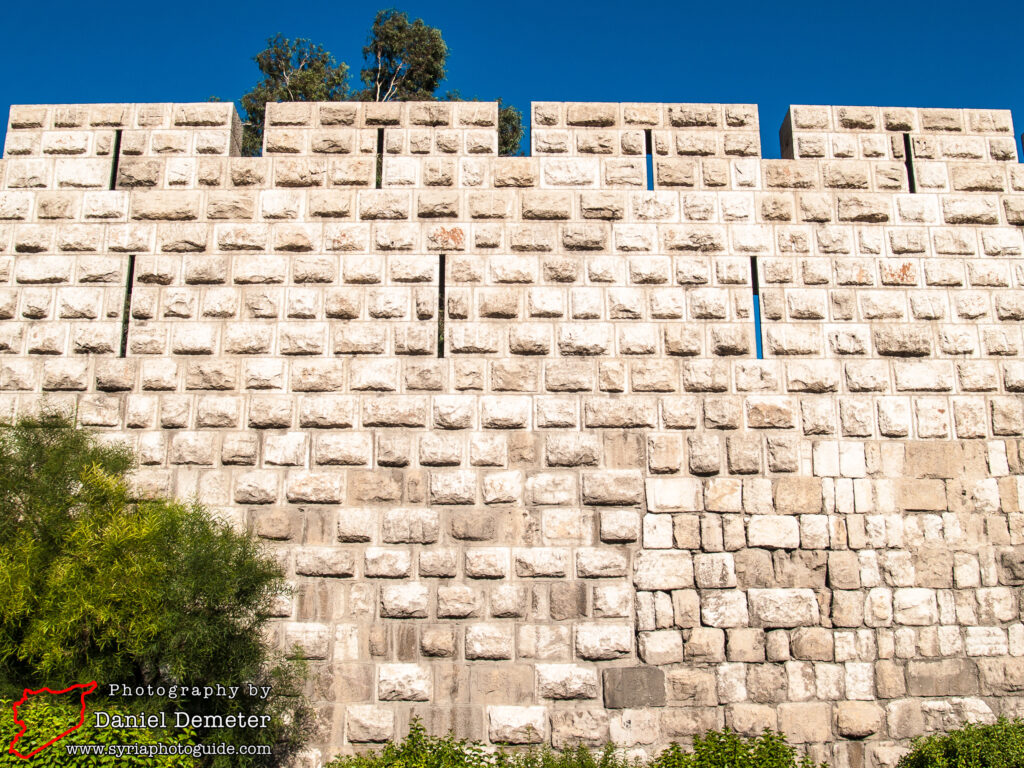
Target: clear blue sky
932 54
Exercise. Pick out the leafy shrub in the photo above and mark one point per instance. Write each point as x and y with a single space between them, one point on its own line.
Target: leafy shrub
999 745
46 718
727 749
98 585
420 750
574 757
715 749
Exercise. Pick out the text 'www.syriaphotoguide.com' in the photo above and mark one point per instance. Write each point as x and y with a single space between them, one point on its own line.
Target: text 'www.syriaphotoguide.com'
158 750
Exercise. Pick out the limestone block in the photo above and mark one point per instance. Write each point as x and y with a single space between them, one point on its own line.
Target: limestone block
192 448
986 641
600 562
324 561
256 488
943 677
408 600
516 725
705 644
723 495
566 681
382 563
783 607
601 642
412 526
315 487
368 723
612 601
489 641
723 609
714 570
619 526
806 722
454 487
458 602
915 606
485 563
540 562
311 639
970 210
661 647
612 487
663 570
773 532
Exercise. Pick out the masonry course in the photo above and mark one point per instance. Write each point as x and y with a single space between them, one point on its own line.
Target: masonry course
559 449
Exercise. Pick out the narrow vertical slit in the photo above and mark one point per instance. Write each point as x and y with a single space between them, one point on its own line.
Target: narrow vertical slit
908 159
380 157
649 149
755 283
127 308
116 159
440 306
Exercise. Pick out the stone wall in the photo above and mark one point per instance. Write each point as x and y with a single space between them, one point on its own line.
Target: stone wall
583 507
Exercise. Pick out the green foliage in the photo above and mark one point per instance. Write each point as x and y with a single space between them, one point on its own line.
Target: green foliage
404 61
48 718
420 750
727 749
510 129
573 757
998 745
293 70
715 749
96 585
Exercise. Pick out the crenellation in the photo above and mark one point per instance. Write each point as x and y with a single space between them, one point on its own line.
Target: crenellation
551 451
852 132
139 129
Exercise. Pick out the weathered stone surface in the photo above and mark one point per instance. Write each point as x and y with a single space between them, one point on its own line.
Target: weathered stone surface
517 725
600 642
566 681
634 687
663 570
403 682
806 722
946 677
368 723
503 420
783 607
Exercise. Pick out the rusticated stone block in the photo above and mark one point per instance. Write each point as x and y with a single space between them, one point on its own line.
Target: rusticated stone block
517 725
602 642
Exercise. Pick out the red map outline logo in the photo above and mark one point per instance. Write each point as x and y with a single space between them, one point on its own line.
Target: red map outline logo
87 688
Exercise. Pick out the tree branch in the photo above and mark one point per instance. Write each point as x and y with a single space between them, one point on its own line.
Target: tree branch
395 80
376 77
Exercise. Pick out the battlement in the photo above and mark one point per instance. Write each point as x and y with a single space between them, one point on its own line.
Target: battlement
963 135
635 436
93 130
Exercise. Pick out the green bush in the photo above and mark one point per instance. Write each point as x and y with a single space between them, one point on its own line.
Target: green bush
715 749
47 718
420 750
727 749
999 745
98 585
